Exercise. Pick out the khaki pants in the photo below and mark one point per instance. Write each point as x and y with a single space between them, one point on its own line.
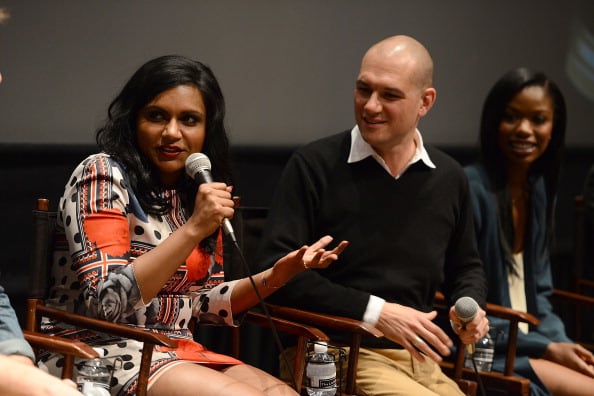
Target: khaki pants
391 372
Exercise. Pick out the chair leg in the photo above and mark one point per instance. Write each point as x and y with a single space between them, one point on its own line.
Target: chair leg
299 363
32 320
145 368
351 377
68 366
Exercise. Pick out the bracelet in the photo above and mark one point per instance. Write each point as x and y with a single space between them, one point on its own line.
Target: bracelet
305 265
266 285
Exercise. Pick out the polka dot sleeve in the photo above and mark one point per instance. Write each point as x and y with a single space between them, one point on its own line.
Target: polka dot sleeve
214 305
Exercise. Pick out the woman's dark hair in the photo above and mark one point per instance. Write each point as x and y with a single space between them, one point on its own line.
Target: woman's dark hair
117 136
547 165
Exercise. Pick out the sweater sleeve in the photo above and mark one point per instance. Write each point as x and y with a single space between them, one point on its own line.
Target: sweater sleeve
291 224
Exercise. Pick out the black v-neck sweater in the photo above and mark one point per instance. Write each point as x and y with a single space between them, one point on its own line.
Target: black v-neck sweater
408 236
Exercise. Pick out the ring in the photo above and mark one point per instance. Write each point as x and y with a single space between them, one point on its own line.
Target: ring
305 265
418 341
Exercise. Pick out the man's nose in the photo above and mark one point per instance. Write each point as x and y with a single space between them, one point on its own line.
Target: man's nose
373 103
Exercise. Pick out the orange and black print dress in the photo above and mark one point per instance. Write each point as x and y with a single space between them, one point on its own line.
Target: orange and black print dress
105 230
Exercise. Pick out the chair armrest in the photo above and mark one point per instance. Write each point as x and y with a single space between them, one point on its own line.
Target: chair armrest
106 327
573 297
494 310
511 314
338 323
63 346
584 284
286 326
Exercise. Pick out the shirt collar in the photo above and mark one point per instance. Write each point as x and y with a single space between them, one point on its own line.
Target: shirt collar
360 150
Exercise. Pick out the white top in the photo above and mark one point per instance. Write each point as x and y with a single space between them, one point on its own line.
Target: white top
517 294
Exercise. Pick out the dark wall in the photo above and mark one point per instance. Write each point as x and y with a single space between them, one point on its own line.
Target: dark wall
287 67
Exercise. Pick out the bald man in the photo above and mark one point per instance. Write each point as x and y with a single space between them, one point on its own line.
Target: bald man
404 208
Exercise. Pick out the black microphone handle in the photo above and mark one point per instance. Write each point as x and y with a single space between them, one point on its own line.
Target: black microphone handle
203 176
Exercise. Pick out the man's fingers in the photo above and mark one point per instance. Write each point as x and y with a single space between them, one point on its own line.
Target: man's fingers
421 349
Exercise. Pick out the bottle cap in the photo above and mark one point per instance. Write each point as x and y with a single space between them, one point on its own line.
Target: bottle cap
320 347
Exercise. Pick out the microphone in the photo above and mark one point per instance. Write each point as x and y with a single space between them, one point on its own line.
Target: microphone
466 309
198 168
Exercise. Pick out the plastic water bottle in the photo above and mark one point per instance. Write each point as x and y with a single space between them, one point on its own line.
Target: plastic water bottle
484 350
93 378
320 372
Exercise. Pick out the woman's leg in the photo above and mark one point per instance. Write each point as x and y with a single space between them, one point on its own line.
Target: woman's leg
259 379
560 380
190 379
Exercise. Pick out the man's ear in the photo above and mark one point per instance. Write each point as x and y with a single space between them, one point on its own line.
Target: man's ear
427 99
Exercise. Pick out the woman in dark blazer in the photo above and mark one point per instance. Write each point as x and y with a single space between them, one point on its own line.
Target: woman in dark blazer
514 188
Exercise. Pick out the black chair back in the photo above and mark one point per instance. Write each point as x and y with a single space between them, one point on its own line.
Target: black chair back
43 233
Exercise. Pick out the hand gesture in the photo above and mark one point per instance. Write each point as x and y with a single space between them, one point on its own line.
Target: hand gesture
315 256
308 257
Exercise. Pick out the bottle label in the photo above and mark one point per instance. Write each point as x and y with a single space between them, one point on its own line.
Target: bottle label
484 354
322 382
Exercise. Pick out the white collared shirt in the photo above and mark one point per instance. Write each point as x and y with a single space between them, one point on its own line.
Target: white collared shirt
360 150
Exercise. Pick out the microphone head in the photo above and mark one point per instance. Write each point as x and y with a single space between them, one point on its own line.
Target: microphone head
197 162
466 308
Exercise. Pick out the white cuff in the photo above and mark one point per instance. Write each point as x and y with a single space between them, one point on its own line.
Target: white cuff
373 310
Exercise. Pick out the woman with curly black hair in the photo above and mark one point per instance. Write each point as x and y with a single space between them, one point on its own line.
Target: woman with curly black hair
145 242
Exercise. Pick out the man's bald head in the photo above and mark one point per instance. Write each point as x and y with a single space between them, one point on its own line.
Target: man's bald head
405 49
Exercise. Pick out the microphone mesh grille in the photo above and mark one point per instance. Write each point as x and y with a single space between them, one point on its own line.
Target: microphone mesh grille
197 162
466 308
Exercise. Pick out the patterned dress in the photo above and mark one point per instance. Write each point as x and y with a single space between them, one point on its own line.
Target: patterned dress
104 231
